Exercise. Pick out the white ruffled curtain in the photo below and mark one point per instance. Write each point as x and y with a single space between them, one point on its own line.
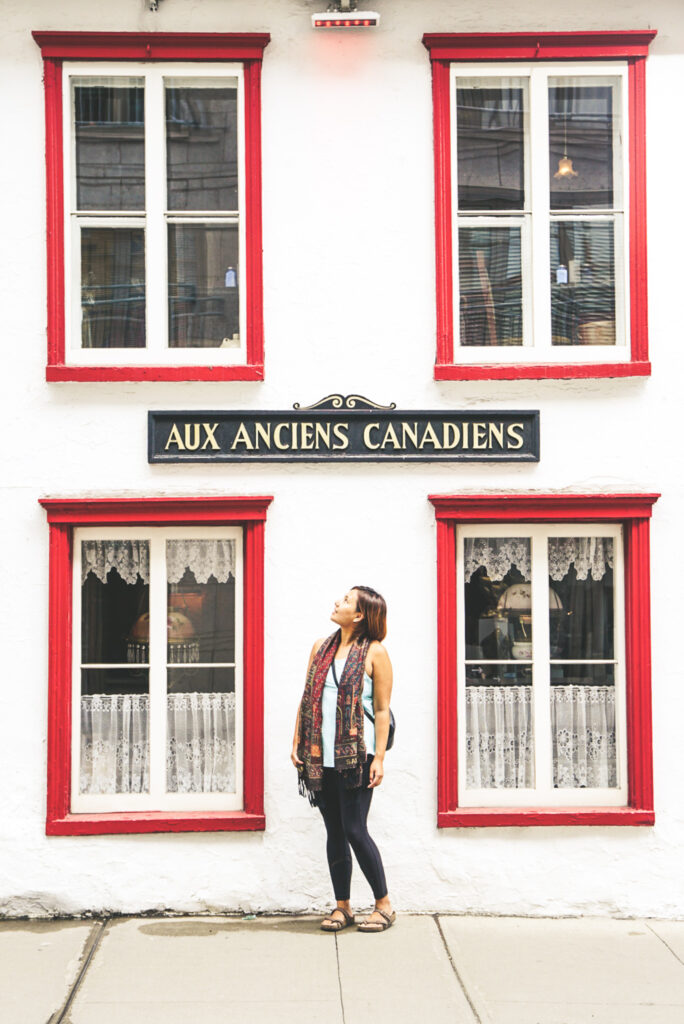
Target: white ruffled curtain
200 752
500 741
131 558
590 556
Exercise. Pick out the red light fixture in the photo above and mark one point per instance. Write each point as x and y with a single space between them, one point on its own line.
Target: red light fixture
340 19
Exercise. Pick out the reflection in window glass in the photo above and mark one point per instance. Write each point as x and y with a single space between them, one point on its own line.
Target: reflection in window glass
109 116
490 286
583 126
204 309
201 146
583 282
112 287
490 125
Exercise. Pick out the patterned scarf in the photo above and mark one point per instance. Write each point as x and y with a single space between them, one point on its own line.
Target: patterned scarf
350 746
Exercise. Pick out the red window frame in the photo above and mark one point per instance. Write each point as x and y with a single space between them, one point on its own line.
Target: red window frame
57 47
63 516
632 512
540 46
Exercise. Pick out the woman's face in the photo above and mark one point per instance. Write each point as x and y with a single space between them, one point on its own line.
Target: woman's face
346 612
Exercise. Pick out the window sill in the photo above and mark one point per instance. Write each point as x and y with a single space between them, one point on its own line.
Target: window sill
540 371
61 372
477 817
154 821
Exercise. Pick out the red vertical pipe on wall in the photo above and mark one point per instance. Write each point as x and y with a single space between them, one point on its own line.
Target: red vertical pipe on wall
253 219
443 228
59 693
254 668
54 198
447 745
638 657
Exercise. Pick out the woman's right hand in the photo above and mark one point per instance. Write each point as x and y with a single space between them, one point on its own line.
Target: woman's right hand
293 757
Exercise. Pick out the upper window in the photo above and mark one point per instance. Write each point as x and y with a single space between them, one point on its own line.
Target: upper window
156 665
540 206
544 660
154 206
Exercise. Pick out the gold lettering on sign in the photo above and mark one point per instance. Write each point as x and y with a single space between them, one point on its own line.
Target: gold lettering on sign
210 439
242 437
192 445
464 428
262 433
479 435
496 430
514 431
277 431
322 434
340 432
451 435
390 438
429 437
174 438
407 430
367 436
307 436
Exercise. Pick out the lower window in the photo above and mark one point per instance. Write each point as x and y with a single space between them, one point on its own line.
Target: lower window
156 665
544 683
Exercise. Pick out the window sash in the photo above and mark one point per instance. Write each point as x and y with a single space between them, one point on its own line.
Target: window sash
537 218
544 793
154 219
157 799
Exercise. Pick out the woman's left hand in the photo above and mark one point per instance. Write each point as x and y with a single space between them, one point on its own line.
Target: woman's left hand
377 772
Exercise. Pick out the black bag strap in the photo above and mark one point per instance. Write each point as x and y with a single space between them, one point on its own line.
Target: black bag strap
337 684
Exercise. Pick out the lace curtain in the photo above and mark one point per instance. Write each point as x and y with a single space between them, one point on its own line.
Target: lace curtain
590 555
200 752
500 741
131 558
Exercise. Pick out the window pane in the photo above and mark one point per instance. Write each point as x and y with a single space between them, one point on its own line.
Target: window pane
498 598
201 601
581 597
490 126
114 731
583 277
203 286
584 128
200 752
109 116
112 287
490 285
201 145
583 736
499 727
115 601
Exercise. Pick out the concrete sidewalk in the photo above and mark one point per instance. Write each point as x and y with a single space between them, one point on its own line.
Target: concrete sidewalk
283 970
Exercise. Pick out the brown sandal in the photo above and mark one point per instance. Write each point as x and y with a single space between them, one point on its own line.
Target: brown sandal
378 926
337 926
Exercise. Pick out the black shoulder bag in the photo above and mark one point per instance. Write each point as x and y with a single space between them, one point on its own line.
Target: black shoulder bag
390 738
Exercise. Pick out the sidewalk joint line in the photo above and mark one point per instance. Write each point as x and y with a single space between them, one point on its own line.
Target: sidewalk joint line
454 968
339 979
664 943
91 946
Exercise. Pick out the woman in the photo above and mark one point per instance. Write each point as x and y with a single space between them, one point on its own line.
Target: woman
339 752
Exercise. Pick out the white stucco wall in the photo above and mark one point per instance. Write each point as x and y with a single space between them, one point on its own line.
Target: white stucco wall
349 307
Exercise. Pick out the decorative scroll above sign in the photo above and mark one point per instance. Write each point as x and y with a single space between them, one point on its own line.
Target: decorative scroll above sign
344 429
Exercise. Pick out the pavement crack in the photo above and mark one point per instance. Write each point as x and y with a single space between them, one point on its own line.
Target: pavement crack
339 979
664 943
454 968
89 951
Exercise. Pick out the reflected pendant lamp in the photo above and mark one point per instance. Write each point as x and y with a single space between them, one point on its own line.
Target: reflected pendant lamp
565 168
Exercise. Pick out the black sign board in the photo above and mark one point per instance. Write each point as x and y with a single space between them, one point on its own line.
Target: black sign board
344 429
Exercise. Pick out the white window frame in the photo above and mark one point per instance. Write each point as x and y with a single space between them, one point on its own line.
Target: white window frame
544 793
157 799
535 218
153 220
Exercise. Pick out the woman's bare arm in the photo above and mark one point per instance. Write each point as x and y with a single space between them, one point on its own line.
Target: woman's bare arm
382 692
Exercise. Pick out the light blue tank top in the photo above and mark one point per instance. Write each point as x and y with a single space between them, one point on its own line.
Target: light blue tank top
329 709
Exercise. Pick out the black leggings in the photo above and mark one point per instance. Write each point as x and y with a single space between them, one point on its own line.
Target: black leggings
345 812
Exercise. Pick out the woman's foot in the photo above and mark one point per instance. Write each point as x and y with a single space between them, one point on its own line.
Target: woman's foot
382 918
341 917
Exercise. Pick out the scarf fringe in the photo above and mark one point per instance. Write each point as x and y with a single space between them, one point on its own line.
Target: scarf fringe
313 796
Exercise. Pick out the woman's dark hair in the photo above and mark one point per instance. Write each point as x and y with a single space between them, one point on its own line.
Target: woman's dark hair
372 606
